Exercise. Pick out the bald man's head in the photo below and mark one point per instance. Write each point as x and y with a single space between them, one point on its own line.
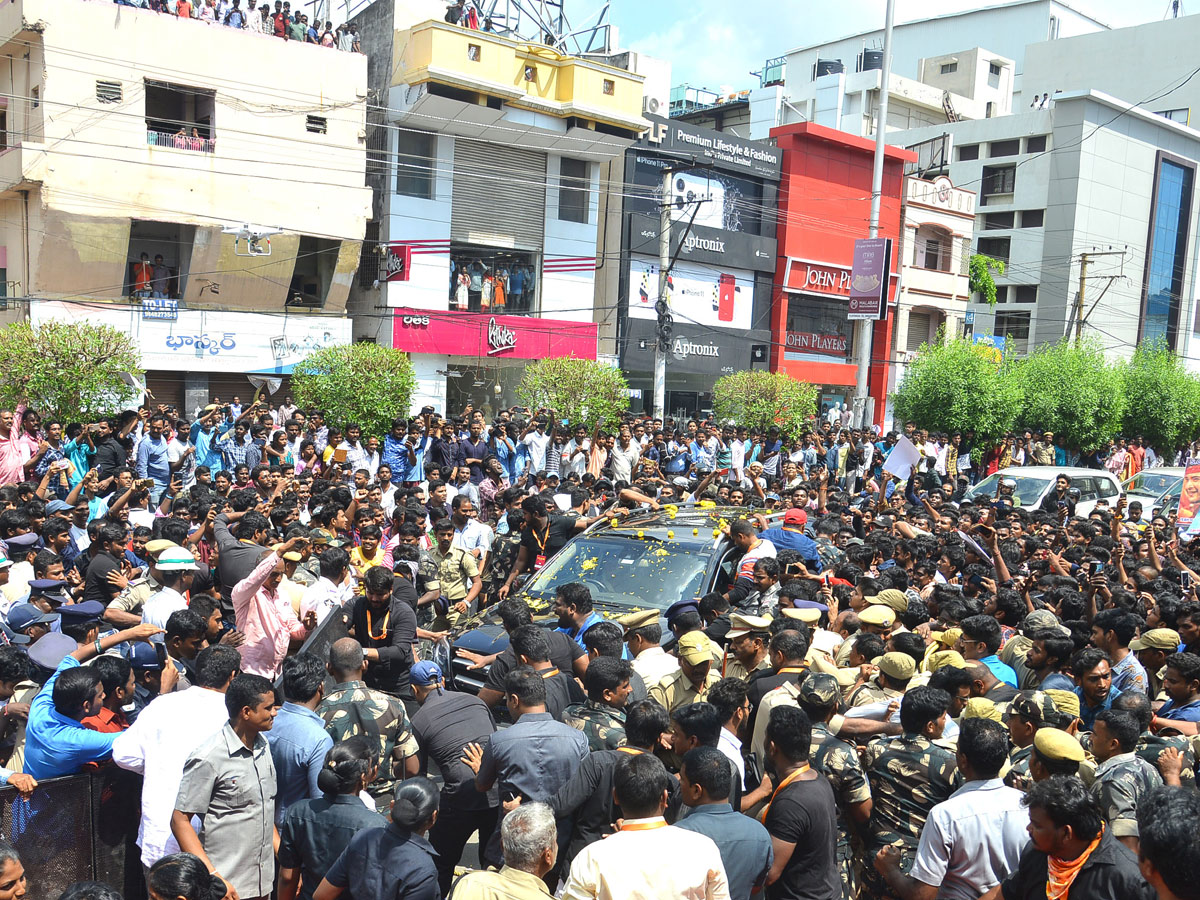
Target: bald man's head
346 660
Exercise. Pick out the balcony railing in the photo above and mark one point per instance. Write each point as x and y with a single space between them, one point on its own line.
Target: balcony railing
181 141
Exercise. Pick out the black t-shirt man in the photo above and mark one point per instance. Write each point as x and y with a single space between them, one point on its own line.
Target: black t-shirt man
563 653
444 724
393 634
804 813
547 540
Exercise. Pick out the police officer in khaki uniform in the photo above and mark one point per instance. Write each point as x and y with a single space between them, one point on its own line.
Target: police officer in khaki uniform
458 577
695 676
747 652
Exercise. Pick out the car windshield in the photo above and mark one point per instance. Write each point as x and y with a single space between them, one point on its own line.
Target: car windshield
624 572
1152 483
1028 490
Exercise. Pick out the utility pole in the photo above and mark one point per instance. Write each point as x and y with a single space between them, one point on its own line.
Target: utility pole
1083 267
662 334
865 328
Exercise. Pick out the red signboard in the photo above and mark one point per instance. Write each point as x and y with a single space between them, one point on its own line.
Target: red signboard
496 337
397 262
814 342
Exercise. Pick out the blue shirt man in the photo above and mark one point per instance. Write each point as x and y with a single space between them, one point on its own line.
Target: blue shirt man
792 537
1002 670
152 459
57 744
205 442
576 633
744 843
298 742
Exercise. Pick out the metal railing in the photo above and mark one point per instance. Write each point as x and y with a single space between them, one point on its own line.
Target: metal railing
181 141
78 828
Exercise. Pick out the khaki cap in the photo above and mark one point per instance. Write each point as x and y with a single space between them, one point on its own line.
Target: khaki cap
883 616
1054 744
741 624
981 708
943 658
694 648
891 598
157 546
808 615
1065 701
1154 639
900 666
638 619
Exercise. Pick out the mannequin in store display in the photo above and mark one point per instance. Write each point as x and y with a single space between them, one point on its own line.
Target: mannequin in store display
500 290
462 291
485 296
516 286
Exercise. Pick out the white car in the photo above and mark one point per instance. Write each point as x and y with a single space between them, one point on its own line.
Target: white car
1035 482
1154 487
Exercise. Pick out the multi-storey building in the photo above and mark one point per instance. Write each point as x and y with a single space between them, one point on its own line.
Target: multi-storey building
127 133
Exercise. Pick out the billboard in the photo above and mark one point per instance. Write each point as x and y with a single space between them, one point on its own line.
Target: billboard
869 278
699 295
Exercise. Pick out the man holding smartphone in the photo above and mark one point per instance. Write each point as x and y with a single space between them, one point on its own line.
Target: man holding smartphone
1060 498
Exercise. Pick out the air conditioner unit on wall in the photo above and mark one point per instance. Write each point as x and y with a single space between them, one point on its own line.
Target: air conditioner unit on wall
651 105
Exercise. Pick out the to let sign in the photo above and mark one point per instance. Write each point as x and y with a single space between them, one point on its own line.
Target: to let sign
869 278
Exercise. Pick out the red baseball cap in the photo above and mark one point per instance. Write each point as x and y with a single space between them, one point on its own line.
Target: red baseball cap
795 517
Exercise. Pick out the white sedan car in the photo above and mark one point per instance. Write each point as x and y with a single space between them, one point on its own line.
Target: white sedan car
1032 483
1151 486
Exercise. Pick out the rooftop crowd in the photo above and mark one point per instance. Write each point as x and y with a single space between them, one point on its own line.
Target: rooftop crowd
896 692
278 21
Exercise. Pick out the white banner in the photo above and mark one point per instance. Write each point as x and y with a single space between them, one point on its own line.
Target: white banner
702 295
903 457
210 340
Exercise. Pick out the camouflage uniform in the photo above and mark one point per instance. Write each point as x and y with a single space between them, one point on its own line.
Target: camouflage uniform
1018 773
838 762
353 708
909 775
1120 783
601 724
1149 746
831 557
427 580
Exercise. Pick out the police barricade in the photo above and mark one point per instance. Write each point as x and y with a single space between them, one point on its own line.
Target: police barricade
78 828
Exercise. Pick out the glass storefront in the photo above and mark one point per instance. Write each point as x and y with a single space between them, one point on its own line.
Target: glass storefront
489 386
493 280
818 329
1167 265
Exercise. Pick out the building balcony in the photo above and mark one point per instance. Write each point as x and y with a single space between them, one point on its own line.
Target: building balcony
497 75
181 141
951 288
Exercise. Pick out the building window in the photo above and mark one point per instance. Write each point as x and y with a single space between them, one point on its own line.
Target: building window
316 124
573 191
1035 144
817 329
996 247
1166 260
1014 328
933 248
994 68
157 259
414 164
610 87
1176 115
180 116
997 181
493 280
1004 148
1025 293
36 94
531 73
473 52
948 68
1033 218
994 221
369 257
316 263
968 152
3 129
108 91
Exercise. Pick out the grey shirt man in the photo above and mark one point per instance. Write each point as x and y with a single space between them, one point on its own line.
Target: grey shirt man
232 790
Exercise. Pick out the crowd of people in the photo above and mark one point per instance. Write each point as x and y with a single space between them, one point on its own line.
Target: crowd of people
894 691
280 21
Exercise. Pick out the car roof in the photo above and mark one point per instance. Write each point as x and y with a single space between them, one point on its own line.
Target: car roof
1051 471
688 523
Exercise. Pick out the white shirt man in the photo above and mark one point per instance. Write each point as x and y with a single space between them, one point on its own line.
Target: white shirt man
737 450
624 459
575 463
323 597
160 606
654 664
537 441
156 746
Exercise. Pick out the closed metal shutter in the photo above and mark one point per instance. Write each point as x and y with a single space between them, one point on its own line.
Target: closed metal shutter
918 329
499 195
167 388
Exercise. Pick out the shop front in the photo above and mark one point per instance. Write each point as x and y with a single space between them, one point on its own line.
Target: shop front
190 355
477 358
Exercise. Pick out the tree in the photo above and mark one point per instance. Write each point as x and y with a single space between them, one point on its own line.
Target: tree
582 391
363 384
74 372
980 271
957 386
1163 398
1072 390
761 399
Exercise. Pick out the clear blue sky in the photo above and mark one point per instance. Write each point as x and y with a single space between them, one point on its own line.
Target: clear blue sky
717 43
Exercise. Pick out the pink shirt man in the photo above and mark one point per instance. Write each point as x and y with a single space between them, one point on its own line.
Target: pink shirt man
266 619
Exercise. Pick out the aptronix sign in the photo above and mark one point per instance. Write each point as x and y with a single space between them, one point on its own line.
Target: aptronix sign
714 247
711 352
